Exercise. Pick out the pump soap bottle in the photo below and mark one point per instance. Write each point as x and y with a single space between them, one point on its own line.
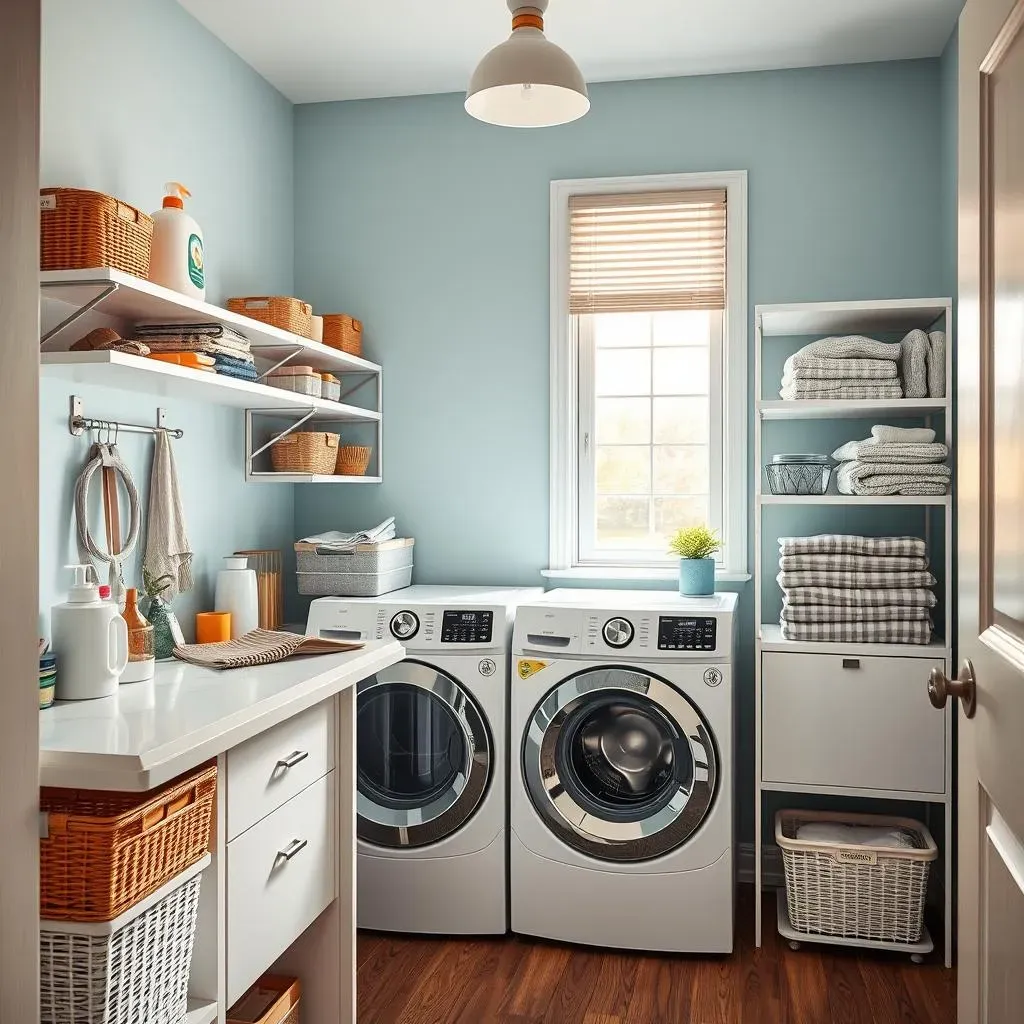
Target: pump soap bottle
177 259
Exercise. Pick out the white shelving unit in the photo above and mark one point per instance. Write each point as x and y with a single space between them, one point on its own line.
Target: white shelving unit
83 297
799 323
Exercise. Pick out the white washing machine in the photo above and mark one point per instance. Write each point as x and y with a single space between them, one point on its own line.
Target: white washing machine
622 787
431 757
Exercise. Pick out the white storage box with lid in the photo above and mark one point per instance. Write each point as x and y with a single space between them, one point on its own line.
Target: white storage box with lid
303 380
368 570
132 969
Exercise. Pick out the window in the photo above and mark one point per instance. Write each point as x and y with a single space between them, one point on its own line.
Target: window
648 424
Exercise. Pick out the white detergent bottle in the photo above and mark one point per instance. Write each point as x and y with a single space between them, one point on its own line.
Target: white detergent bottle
178 258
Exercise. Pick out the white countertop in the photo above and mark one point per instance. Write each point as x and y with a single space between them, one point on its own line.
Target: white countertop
150 732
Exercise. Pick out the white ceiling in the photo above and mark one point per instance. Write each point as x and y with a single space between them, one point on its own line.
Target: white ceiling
315 50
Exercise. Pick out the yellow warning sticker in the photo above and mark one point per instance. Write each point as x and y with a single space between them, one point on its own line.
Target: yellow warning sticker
527 667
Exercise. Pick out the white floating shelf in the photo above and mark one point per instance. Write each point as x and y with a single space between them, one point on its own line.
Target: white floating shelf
309 478
828 409
821 318
135 373
200 1011
854 500
772 640
138 301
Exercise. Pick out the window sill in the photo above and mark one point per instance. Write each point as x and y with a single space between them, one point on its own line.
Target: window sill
670 574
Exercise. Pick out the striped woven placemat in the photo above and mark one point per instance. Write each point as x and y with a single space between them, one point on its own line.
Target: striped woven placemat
260 647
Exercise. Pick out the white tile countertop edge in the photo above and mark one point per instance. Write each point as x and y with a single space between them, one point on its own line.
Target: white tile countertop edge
151 732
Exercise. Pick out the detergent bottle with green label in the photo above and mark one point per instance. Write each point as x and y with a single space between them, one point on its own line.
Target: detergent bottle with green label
178 260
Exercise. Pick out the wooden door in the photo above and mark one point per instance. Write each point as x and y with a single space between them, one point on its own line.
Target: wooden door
991 511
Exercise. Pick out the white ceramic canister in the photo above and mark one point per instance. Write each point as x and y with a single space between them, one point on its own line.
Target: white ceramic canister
237 593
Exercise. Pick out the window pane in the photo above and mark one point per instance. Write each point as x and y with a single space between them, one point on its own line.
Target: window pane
671 514
682 371
623 371
681 469
622 330
689 327
623 421
681 421
623 470
623 522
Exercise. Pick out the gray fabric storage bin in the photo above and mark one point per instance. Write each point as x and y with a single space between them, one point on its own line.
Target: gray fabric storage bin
353 584
366 558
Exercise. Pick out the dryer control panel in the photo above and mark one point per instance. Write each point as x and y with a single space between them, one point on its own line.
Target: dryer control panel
680 633
467 627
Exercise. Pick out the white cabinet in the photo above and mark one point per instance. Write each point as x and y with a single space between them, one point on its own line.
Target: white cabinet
851 722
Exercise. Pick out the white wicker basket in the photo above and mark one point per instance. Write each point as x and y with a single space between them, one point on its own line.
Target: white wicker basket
132 969
856 892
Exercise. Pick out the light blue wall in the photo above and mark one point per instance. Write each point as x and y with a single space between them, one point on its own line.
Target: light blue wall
949 65
133 97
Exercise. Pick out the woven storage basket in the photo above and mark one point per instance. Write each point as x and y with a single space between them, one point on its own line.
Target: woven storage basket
344 332
311 452
277 310
134 969
79 230
274 999
353 460
856 892
104 852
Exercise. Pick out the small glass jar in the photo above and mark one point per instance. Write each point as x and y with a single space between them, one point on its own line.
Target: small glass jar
141 656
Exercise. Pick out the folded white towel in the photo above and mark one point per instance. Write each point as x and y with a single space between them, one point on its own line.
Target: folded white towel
854 835
915 364
892 452
882 478
851 346
823 368
338 543
840 390
936 365
905 435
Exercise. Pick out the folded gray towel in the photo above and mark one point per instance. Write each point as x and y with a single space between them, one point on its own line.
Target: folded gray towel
848 597
870 562
823 368
899 632
882 478
915 364
841 613
886 579
894 453
851 346
904 435
936 364
852 544
841 390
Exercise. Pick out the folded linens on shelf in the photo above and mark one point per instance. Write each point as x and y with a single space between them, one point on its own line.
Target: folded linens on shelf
887 478
799 367
841 390
850 597
851 544
858 579
858 632
831 562
839 613
896 452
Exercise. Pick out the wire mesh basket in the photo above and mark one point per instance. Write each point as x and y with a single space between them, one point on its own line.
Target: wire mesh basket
799 474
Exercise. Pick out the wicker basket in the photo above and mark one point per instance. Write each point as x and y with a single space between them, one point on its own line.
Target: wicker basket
80 230
277 310
311 452
353 460
103 852
133 969
856 892
343 332
274 999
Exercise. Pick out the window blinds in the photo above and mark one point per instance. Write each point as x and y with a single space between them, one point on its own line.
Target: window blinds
647 252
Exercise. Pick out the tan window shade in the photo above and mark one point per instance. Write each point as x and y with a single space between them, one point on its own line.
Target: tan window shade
647 252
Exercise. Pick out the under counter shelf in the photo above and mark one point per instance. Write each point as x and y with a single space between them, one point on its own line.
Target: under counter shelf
851 409
855 500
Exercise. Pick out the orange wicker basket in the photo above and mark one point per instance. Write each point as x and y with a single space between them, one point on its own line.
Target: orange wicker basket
104 852
306 451
277 310
79 230
353 460
344 332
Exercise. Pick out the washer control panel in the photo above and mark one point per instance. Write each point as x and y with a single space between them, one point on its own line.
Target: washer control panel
467 627
676 633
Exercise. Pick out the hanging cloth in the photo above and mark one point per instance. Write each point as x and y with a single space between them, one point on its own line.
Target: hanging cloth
168 552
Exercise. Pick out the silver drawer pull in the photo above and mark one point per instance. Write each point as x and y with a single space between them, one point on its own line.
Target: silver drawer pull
294 847
293 759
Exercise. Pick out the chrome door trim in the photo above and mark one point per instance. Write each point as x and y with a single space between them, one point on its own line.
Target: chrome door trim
393 828
669 827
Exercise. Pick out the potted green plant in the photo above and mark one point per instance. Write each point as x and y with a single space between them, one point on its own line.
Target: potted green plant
696 548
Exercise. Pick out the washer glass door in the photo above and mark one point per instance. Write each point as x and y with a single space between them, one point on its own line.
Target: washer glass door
423 756
620 764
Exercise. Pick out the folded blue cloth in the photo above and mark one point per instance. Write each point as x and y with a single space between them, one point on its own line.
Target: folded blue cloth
244 372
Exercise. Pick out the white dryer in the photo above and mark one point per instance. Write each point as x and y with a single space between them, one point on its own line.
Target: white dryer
431 757
622 783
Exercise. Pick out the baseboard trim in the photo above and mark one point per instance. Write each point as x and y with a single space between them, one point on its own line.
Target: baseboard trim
772 874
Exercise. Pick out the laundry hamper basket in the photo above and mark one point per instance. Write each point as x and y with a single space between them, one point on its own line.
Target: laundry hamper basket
130 970
860 892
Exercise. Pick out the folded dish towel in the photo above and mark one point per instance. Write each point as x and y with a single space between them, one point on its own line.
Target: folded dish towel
236 371
795 390
336 542
886 478
855 835
822 368
851 346
858 632
851 544
840 613
215 332
260 647
871 562
937 365
856 579
914 364
903 435
846 597
893 452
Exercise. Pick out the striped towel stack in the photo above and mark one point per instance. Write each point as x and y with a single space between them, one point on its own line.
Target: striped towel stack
894 460
231 353
852 367
853 589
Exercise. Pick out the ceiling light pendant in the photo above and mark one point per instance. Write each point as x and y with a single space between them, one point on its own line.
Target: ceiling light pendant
526 81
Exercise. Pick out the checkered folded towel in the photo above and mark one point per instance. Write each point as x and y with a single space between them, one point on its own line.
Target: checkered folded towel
802 390
892 452
852 346
898 632
881 478
822 368
869 562
889 579
851 544
844 597
839 613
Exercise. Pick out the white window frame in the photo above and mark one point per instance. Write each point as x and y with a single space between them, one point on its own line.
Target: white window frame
565 399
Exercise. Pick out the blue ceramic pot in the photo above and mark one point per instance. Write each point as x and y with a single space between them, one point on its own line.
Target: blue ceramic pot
696 577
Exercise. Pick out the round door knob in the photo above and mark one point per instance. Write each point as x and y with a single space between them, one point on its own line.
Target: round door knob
964 688
405 625
618 632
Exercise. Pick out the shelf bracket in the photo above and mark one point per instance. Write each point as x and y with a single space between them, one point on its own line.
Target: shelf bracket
108 290
284 433
355 387
277 366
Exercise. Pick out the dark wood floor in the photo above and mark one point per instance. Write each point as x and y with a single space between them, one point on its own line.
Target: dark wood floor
519 981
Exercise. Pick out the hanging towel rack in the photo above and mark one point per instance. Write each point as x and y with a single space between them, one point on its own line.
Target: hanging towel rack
79 423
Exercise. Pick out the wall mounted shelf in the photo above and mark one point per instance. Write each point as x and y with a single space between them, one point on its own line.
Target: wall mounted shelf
850 410
854 500
309 478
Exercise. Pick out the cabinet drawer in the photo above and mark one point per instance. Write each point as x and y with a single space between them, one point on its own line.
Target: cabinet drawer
271 768
861 723
280 876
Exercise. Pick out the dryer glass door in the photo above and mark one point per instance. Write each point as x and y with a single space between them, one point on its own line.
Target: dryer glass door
620 764
423 756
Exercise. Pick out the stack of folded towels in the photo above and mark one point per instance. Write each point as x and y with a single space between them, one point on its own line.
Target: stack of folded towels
858 368
894 460
231 353
851 589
